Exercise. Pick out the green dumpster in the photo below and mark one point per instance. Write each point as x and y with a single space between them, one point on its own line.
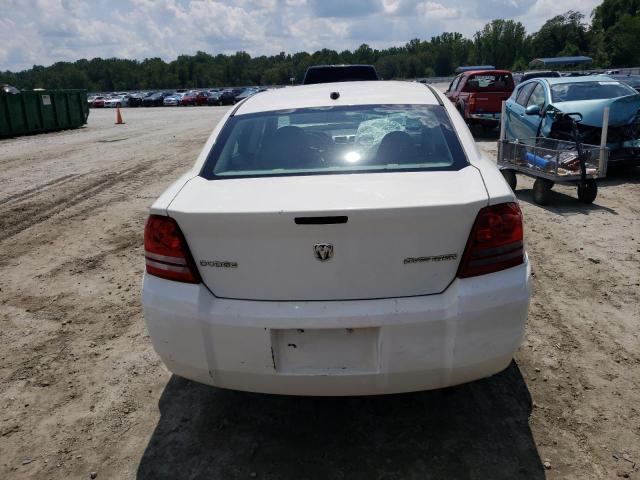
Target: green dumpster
36 111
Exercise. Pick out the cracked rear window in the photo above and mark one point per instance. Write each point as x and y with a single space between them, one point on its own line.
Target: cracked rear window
331 140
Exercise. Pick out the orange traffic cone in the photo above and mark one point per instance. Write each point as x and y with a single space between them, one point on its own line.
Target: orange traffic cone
119 120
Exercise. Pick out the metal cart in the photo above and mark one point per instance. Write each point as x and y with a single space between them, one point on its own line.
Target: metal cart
551 161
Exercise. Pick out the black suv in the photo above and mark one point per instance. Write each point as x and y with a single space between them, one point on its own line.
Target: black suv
135 99
227 97
339 73
155 99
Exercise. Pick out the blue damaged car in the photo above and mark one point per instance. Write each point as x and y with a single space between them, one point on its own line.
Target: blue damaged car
530 113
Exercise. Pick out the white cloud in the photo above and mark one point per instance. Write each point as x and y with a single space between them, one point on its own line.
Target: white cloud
46 31
436 10
543 10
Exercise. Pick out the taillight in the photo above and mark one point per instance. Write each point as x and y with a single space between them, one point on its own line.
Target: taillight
166 252
472 103
495 242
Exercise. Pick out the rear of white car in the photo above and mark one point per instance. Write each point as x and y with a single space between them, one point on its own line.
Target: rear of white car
343 244
172 100
116 101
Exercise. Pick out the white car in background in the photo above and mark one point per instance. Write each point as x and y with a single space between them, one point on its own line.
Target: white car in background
173 100
116 101
337 239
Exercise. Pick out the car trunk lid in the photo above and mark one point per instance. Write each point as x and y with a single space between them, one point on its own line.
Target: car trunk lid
487 102
330 237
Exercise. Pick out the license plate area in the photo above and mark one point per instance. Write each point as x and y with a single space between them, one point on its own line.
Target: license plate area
335 351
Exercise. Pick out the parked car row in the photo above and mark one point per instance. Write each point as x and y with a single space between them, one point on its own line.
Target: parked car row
531 105
632 80
175 98
531 111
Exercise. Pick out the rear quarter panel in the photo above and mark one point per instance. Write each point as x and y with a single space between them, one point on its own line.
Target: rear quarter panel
161 205
497 188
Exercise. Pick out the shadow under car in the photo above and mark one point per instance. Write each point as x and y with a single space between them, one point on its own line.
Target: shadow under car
478 430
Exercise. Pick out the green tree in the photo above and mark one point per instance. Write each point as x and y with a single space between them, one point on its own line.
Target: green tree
623 41
610 12
562 30
614 33
501 43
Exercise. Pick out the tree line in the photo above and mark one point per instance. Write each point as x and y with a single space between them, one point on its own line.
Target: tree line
611 39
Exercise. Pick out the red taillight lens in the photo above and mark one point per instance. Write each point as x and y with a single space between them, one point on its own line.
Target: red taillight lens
166 252
472 103
495 242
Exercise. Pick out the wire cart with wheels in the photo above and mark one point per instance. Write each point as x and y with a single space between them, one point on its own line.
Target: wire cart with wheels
552 161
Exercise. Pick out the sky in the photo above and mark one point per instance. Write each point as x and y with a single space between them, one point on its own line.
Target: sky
42 32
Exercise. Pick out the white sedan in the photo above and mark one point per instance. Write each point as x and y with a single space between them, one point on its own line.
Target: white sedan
173 100
116 101
337 239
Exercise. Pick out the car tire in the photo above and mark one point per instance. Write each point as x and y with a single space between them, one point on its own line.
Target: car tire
587 191
541 191
510 177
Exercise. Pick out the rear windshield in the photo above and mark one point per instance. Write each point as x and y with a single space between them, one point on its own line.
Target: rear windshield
489 82
333 140
567 92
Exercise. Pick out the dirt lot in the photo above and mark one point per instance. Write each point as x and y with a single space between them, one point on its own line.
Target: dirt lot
82 390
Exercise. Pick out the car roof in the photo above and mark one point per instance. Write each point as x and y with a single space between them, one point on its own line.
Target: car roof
467 73
586 78
351 93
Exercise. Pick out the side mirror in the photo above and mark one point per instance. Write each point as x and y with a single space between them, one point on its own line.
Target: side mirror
532 110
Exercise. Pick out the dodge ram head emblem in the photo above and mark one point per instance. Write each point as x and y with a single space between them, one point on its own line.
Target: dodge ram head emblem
323 251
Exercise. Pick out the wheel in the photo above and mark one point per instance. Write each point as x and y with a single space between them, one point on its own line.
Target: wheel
587 191
541 189
510 177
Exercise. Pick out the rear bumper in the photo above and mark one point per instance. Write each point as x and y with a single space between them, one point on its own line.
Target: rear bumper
406 344
485 118
624 156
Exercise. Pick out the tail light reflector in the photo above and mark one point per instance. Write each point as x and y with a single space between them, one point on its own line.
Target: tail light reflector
496 241
166 252
472 103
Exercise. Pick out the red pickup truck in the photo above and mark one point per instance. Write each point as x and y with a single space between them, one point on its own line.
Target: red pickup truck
478 95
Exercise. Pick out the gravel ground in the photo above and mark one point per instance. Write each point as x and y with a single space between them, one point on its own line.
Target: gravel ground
82 390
